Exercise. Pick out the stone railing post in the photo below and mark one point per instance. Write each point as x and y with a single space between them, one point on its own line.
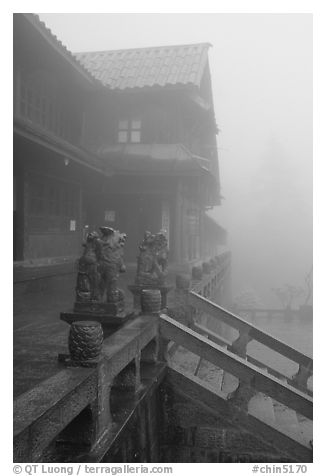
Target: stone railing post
196 276
85 344
206 267
181 296
129 378
101 407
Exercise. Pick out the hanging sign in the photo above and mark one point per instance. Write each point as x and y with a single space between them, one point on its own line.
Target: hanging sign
109 215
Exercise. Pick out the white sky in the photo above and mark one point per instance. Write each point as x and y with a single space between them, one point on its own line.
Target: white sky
261 66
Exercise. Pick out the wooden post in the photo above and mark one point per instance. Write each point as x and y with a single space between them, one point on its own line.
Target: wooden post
178 223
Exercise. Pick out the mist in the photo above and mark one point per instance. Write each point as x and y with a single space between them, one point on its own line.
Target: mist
261 68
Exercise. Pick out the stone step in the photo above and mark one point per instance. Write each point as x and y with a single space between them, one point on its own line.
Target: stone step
285 417
229 383
305 429
210 374
261 406
258 422
185 360
293 424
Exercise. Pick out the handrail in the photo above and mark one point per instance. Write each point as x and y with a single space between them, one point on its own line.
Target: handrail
247 373
249 332
197 297
240 324
222 262
63 396
212 336
204 395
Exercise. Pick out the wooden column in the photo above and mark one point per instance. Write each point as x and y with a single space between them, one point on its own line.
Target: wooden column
178 231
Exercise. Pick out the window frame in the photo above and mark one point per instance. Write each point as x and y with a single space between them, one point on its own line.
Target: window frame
128 128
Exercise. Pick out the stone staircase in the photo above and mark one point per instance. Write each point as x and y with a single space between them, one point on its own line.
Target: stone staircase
282 418
278 410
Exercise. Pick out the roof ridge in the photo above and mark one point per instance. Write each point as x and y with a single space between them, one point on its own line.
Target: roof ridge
144 48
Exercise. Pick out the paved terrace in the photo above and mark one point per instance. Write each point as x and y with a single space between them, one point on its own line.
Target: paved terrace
144 355
39 334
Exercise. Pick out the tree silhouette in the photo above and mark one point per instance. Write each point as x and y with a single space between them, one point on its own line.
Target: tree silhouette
287 294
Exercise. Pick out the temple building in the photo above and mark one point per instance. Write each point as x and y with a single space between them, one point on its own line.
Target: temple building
118 138
118 363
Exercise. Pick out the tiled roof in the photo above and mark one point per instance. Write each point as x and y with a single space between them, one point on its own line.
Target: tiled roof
147 67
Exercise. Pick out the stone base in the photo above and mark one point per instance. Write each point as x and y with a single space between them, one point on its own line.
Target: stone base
136 290
66 359
110 323
108 308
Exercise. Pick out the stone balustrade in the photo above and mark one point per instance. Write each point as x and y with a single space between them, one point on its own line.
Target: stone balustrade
111 405
248 332
44 412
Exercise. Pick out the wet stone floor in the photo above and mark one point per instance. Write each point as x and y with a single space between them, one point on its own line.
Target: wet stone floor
39 335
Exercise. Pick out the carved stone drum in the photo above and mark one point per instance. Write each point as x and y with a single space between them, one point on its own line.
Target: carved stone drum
150 300
85 340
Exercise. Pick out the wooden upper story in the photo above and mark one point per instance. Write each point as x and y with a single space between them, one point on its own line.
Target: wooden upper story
158 95
49 84
113 104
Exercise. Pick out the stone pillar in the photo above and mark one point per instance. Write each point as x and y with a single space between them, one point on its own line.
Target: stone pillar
129 378
196 273
101 407
182 312
227 289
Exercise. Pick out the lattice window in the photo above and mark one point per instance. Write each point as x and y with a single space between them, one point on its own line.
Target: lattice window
39 103
52 201
129 131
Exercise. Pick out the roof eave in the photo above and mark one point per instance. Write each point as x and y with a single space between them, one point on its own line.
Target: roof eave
59 47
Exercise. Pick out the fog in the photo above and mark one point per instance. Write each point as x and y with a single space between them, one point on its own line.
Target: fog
261 67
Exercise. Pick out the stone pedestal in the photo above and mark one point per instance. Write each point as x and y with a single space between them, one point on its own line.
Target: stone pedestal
111 315
100 308
110 322
137 289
